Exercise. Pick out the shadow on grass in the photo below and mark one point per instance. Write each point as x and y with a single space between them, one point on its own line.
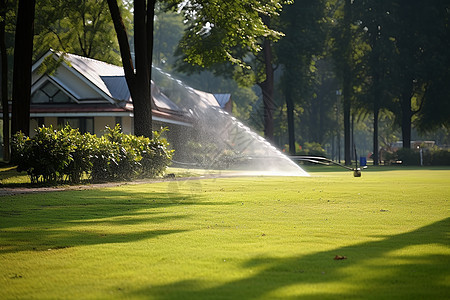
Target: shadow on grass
78 218
372 270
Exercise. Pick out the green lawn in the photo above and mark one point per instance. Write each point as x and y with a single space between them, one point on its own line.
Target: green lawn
234 238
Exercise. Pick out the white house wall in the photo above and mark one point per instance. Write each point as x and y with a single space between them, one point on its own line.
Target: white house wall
127 125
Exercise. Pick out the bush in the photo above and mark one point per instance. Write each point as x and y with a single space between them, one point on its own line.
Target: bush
44 157
82 146
312 149
408 157
411 157
435 156
156 155
67 155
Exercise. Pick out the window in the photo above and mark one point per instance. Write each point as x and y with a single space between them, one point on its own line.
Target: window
39 121
83 124
49 93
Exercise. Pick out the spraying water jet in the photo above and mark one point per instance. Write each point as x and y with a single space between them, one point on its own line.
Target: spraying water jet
218 140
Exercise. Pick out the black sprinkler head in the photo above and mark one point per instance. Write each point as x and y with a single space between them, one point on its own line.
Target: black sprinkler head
357 172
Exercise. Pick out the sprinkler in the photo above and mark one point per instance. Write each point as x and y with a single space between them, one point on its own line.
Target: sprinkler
325 161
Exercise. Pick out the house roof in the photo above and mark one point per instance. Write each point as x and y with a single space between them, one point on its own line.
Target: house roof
109 82
107 77
222 99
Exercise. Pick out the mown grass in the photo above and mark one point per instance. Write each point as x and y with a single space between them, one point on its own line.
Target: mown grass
234 238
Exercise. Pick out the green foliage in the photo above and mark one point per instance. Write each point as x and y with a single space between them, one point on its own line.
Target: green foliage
81 151
79 27
156 154
67 155
433 156
438 157
220 31
311 149
408 157
43 157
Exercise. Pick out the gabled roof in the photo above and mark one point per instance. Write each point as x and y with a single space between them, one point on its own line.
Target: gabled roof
109 80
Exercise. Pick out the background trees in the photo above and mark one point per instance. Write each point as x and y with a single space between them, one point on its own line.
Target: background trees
300 52
82 27
363 64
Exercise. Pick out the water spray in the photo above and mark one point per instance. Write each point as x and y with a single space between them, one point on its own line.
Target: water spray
219 141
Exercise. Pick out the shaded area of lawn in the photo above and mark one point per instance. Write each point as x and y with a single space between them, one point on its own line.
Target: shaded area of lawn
61 220
367 266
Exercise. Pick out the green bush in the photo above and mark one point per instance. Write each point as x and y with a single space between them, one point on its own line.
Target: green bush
408 157
312 149
156 155
81 146
436 157
45 156
67 155
430 156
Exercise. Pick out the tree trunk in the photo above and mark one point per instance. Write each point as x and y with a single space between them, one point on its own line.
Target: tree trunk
290 118
4 82
375 136
23 52
142 40
347 133
139 82
347 79
377 90
267 86
406 119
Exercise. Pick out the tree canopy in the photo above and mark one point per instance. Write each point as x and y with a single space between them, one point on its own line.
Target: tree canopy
340 60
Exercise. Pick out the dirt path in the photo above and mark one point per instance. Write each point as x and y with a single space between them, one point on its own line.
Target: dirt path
10 191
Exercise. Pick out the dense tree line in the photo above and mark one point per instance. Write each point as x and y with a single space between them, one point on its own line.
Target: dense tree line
317 65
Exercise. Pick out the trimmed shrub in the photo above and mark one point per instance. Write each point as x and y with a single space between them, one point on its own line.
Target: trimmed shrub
408 157
313 148
44 157
434 156
155 153
81 146
411 157
68 156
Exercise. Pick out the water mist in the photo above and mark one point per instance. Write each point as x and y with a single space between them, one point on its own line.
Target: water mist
218 140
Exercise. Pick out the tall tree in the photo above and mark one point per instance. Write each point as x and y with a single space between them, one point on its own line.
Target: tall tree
303 25
343 54
139 78
375 22
4 80
347 78
422 41
23 52
267 84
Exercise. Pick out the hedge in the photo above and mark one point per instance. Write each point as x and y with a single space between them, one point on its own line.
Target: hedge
68 156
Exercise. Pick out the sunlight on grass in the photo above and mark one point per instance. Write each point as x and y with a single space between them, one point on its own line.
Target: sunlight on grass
233 238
